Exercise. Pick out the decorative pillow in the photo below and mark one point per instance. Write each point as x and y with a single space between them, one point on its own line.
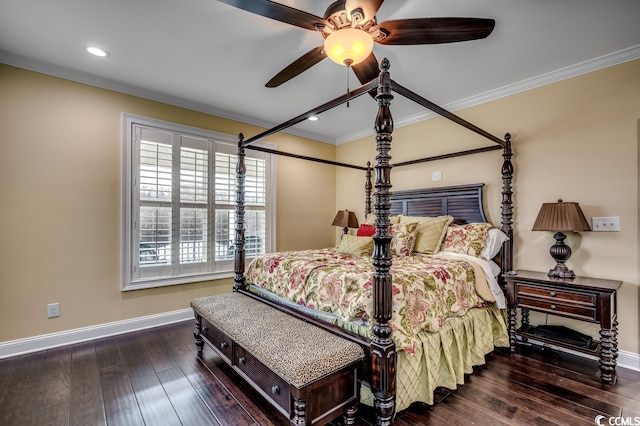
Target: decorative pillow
403 238
431 232
366 230
466 239
495 239
355 246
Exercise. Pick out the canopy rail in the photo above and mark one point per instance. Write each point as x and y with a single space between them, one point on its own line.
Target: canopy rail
365 88
445 156
443 112
304 157
372 85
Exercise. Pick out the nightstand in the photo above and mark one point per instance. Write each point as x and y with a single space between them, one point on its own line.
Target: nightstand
585 299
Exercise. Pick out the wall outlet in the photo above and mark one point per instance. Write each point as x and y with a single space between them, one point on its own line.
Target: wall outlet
605 224
53 310
436 176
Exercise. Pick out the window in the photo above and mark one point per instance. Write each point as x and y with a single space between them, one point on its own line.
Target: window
179 207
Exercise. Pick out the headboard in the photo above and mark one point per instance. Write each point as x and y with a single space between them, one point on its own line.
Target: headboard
463 202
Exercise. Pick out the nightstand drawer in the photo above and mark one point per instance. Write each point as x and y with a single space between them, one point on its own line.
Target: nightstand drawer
557 307
557 296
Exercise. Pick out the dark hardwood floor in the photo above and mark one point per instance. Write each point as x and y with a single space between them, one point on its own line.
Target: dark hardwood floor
152 377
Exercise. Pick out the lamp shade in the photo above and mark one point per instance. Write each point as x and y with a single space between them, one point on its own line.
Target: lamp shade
348 46
561 216
346 219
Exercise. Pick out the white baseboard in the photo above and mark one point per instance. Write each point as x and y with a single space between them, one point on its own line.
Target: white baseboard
68 337
628 360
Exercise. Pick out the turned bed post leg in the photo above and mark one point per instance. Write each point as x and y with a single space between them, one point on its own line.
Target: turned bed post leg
383 349
239 258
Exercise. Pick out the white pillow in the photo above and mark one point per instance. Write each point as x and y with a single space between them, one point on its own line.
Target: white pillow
495 269
495 239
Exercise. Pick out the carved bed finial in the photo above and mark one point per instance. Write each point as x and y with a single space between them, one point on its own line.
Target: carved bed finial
385 65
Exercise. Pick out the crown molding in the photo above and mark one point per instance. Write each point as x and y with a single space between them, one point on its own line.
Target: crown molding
595 64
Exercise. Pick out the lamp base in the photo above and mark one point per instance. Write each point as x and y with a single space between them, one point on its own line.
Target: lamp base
560 253
561 271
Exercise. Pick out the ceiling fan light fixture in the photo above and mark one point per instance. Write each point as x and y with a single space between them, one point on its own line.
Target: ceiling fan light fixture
348 46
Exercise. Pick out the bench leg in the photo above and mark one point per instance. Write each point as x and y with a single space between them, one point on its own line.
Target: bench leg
350 415
299 412
196 334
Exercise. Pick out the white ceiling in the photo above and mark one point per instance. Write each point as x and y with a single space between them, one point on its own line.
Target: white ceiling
208 56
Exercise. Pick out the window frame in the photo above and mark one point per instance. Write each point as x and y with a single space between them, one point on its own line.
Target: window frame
221 269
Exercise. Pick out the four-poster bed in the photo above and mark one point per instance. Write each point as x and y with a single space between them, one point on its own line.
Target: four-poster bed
380 337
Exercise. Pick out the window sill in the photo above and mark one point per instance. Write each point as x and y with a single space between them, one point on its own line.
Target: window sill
184 279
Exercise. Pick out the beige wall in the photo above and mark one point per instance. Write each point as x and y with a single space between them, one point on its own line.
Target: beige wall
60 185
576 140
60 220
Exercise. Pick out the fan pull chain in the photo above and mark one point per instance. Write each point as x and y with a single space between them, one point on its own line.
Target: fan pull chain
348 66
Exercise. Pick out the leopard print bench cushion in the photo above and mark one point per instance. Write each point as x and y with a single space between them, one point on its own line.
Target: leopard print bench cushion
296 350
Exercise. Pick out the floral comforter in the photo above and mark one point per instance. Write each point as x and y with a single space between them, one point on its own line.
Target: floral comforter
427 289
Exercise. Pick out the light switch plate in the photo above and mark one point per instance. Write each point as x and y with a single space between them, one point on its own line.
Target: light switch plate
605 224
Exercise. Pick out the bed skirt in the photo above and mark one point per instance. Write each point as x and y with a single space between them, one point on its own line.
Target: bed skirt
446 356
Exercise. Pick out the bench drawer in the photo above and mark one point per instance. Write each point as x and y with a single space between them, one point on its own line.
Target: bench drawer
273 386
218 339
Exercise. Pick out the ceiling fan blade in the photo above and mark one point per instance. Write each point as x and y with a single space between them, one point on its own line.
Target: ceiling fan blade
367 70
434 30
279 12
298 66
369 7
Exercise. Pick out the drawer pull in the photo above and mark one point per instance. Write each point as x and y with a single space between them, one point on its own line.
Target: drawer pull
242 361
224 345
275 389
205 328
553 307
552 294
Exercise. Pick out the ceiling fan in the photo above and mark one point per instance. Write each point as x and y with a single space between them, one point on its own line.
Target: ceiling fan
350 29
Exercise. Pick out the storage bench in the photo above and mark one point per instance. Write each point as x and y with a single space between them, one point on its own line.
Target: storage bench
307 373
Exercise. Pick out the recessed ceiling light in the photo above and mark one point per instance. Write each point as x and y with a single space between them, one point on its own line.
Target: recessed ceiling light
96 51
313 118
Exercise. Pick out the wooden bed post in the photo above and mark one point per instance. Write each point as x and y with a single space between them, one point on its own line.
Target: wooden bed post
506 255
239 258
383 349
